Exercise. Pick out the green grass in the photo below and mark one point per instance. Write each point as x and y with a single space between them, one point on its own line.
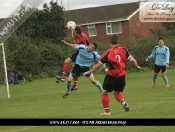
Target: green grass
43 99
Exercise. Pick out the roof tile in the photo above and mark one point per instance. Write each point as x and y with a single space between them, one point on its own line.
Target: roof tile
101 14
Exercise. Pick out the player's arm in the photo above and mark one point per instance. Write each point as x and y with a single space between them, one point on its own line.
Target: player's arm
134 62
167 56
69 44
94 68
153 54
131 59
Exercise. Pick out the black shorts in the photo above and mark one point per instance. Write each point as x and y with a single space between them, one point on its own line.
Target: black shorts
111 83
74 56
158 68
77 70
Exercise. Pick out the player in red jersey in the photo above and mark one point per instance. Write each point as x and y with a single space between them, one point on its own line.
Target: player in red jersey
79 38
116 57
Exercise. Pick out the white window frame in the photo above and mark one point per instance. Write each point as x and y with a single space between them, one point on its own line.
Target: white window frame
92 26
109 25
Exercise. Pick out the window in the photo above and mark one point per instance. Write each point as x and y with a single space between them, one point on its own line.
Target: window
113 28
92 30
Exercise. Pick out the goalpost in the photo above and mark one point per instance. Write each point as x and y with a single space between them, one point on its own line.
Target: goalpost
4 86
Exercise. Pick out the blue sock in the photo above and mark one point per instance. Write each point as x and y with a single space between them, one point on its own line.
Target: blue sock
98 85
165 79
154 79
68 87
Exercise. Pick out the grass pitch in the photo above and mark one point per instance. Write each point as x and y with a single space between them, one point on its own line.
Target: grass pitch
43 99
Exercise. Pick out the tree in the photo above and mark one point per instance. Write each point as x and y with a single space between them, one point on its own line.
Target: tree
47 24
34 48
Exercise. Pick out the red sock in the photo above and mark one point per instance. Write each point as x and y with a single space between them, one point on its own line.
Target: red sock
65 70
75 82
105 101
119 98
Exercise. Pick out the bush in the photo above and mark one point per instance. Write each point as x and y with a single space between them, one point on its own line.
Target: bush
47 58
41 61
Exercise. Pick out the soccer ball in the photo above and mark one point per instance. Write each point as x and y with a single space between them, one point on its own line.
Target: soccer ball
71 25
106 69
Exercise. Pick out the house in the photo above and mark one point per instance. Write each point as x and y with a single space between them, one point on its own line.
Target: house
122 19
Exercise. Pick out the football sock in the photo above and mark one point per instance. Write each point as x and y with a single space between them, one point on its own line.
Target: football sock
119 98
165 79
154 79
68 87
75 82
105 101
98 85
65 70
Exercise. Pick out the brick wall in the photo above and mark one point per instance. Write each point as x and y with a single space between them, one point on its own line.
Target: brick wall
139 29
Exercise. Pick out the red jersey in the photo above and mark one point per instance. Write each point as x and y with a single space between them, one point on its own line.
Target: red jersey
83 39
117 58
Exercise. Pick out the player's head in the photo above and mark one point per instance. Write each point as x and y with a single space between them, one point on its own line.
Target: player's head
161 41
114 39
92 47
77 31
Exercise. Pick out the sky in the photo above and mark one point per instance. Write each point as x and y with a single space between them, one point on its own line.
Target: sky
9 6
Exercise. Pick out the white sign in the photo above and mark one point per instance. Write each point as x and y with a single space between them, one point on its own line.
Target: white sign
157 12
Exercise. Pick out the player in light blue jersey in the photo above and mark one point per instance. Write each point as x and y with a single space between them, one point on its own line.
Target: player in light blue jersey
162 54
83 62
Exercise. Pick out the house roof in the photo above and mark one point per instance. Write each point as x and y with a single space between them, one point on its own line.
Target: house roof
101 14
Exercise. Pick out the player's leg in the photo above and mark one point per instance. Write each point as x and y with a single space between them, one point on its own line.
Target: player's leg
156 71
64 70
107 87
95 82
68 88
74 73
75 79
105 102
119 97
66 67
92 79
119 87
165 78
74 85
154 79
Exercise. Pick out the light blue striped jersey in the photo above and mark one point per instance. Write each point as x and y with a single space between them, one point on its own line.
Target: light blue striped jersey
85 58
162 55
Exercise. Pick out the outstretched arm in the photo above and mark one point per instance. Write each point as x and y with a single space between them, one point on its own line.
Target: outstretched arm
153 54
94 68
135 63
69 44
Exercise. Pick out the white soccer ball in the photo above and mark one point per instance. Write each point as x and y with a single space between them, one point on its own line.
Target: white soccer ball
71 25
106 69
